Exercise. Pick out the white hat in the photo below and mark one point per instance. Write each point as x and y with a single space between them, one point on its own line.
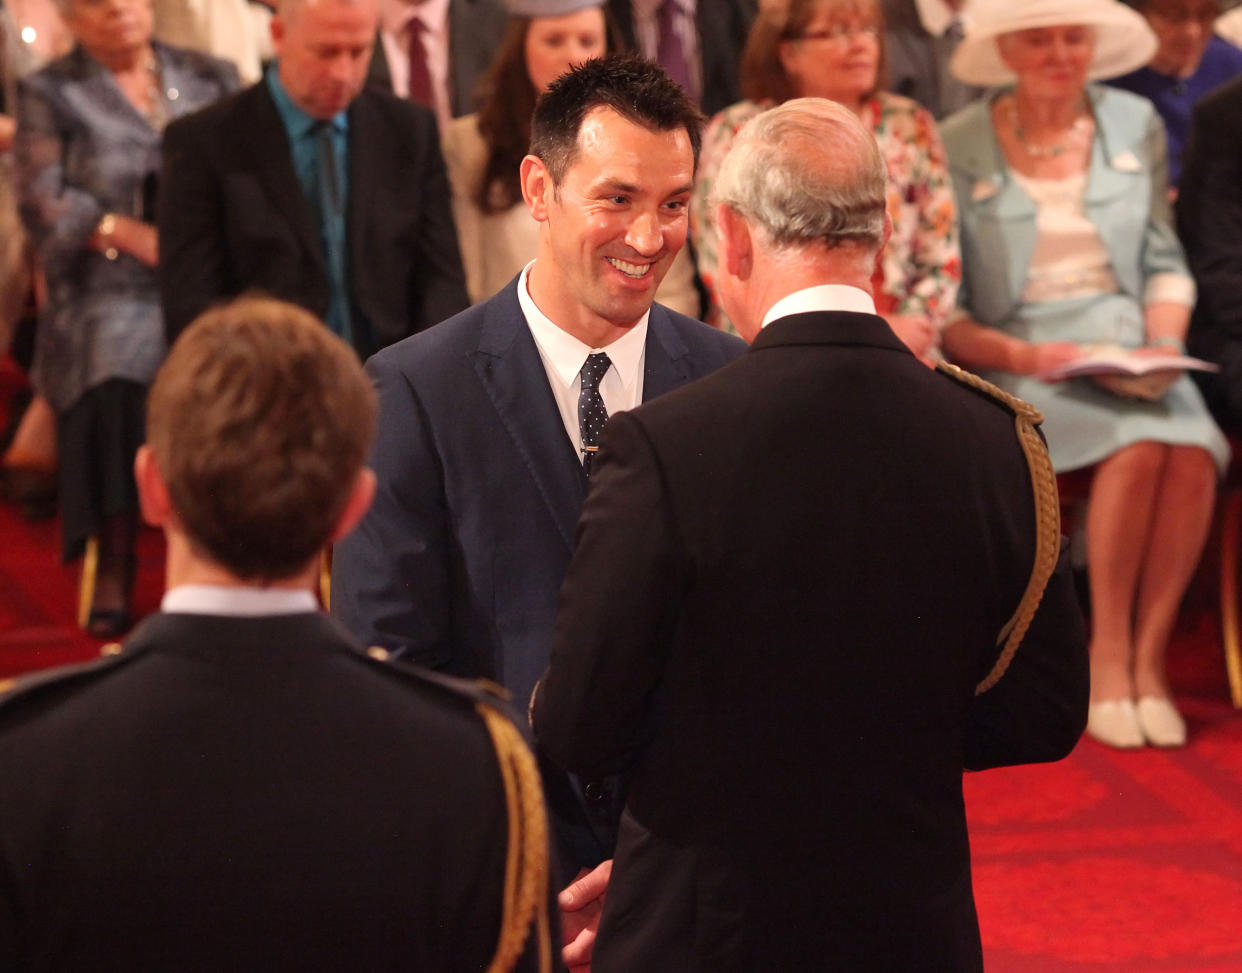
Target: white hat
1123 41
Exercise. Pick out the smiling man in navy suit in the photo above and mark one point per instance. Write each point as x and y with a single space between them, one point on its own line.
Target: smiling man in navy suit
481 456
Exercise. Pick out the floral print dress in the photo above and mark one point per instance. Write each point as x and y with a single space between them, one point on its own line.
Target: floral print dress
921 266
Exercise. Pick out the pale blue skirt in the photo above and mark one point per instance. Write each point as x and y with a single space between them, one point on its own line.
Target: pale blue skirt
1085 423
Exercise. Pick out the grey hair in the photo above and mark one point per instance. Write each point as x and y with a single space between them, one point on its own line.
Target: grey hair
807 171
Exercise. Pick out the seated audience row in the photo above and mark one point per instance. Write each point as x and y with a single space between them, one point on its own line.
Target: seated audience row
834 49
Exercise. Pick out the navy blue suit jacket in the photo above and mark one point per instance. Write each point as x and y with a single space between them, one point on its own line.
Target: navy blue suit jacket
459 562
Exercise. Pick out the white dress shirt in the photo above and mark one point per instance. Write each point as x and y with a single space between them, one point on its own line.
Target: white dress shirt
822 297
237 601
564 355
936 15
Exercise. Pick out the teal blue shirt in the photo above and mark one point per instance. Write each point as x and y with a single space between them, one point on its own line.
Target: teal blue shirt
302 130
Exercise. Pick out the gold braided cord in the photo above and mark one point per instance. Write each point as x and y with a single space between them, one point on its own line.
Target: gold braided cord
1047 518
526 857
86 587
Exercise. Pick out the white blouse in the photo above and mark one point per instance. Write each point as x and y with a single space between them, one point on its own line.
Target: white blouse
1070 260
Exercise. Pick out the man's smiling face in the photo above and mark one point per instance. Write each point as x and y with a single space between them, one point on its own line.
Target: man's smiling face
616 221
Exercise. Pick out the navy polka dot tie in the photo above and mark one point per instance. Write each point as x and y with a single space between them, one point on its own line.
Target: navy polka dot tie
591 412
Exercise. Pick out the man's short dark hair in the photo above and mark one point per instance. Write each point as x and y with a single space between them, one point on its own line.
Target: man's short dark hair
260 420
632 86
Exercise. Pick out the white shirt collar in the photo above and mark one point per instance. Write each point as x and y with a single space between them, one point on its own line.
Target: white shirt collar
239 601
822 297
936 15
566 354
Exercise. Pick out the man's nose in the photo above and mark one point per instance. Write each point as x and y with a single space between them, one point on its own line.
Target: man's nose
645 235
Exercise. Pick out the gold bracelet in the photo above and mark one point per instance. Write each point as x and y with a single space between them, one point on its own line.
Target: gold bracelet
107 227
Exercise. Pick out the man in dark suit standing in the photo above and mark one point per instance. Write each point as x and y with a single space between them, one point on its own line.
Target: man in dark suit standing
795 606
488 420
311 188
698 42
919 38
1209 222
240 785
456 39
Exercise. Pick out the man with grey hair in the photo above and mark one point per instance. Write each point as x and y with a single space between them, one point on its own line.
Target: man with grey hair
870 597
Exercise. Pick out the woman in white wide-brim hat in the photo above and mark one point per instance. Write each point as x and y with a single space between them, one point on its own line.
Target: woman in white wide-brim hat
1067 242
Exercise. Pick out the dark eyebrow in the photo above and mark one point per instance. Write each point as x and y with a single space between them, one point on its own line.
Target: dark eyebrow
613 186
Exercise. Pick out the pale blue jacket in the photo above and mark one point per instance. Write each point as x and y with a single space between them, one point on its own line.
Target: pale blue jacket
1126 198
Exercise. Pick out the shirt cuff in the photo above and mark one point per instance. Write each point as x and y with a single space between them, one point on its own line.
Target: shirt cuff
1175 288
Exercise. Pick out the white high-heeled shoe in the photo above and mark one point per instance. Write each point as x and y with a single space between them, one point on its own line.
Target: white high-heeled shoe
1160 721
1115 722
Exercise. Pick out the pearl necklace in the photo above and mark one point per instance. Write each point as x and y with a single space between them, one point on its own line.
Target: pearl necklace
1075 136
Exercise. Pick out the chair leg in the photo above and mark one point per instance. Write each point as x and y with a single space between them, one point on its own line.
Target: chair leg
86 587
1230 541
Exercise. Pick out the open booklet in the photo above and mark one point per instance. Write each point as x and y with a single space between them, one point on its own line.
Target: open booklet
1114 360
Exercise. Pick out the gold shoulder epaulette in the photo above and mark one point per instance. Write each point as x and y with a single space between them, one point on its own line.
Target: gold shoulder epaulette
1011 402
15 689
1047 516
526 857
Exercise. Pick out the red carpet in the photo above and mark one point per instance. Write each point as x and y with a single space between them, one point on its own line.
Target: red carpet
1107 862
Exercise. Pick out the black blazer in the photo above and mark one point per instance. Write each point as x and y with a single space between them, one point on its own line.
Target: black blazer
1209 222
457 564
789 578
233 217
248 793
723 26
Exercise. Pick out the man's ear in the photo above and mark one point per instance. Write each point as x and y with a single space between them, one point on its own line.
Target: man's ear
736 248
277 29
537 187
888 232
356 506
152 490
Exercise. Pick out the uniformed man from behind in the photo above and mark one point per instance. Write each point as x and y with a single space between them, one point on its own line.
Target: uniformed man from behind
240 786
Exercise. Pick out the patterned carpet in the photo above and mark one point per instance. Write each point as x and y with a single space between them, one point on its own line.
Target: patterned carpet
1107 862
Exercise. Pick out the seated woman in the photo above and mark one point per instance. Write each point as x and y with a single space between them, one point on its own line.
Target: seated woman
835 49
483 152
1189 62
87 150
1067 242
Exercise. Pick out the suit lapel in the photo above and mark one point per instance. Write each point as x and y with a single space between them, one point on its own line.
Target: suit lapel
665 364
378 72
508 364
1003 207
273 161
